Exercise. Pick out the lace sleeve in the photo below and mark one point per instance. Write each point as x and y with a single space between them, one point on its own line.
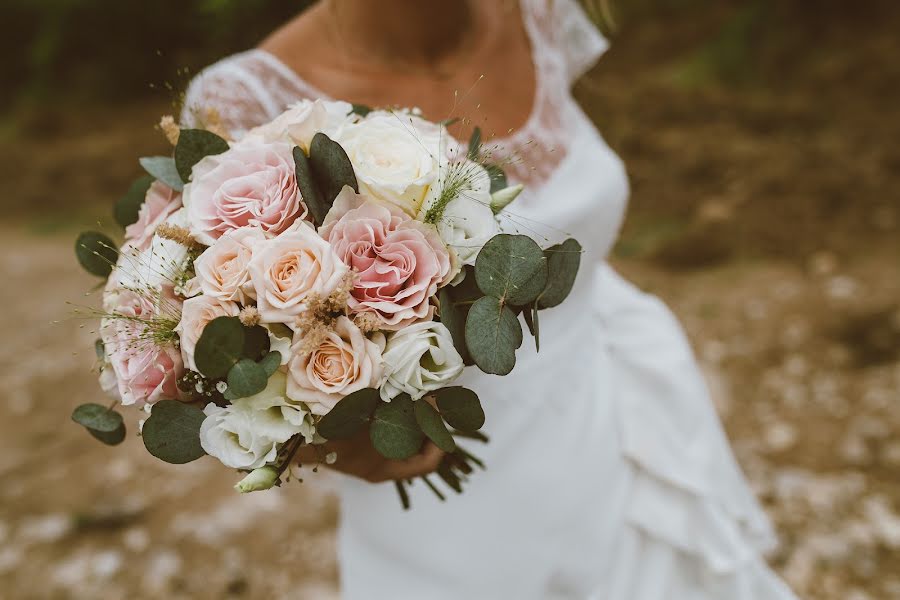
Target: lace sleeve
578 38
233 94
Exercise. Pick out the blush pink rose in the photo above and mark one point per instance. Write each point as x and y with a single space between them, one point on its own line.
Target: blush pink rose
159 204
195 314
343 363
223 268
249 185
287 270
145 369
400 262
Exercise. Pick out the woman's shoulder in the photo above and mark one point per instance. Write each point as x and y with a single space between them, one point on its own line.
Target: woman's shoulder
238 92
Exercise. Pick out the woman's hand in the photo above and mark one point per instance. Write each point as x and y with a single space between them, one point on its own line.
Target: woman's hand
357 457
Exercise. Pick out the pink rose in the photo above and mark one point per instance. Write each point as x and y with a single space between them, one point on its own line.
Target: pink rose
287 270
159 203
343 363
250 185
400 262
222 269
195 314
146 369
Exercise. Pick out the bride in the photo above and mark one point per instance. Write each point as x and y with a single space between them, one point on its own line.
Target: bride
609 476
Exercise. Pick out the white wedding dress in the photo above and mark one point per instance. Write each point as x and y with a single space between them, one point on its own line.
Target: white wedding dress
608 473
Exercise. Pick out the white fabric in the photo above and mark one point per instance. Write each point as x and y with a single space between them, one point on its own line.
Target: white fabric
609 476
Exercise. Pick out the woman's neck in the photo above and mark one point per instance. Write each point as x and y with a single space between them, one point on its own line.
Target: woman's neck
416 32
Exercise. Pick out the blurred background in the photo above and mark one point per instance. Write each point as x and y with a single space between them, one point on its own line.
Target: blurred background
761 140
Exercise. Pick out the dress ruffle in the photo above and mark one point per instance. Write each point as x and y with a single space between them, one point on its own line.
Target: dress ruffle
690 509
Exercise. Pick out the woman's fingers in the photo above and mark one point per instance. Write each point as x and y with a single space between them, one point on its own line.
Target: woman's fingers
423 463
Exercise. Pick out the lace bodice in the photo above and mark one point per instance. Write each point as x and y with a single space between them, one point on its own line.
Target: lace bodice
252 87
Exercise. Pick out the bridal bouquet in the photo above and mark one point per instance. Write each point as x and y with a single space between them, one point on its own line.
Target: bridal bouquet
334 269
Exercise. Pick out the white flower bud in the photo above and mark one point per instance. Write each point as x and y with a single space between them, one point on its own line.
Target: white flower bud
262 478
501 198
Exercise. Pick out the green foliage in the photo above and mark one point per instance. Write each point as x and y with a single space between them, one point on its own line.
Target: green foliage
164 169
256 342
103 423
511 268
461 408
360 109
246 378
172 432
193 146
309 191
563 261
127 208
349 415
331 168
220 347
474 144
432 425
96 253
395 433
493 334
270 362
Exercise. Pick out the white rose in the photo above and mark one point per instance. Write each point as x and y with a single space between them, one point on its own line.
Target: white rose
301 121
468 221
397 157
196 313
343 363
247 433
419 359
222 269
290 268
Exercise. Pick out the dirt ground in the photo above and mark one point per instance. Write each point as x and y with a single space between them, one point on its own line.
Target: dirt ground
766 217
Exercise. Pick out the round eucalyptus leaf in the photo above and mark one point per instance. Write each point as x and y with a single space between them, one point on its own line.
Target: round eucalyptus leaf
270 362
309 190
163 168
110 438
128 206
220 346
96 253
97 417
512 268
172 432
453 318
563 261
461 408
349 415
432 425
395 433
256 342
246 378
193 146
493 334
331 168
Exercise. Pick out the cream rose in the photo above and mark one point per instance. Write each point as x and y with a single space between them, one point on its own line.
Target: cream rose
247 433
301 121
222 269
419 359
249 185
195 314
397 157
287 270
343 363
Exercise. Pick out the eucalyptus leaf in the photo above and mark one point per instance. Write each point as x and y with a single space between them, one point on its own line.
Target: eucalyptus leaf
512 268
563 261
270 362
475 144
128 206
395 433
349 415
96 253
97 417
246 378
110 438
453 317
309 190
193 146
172 432
99 349
493 334
432 425
220 346
498 178
360 109
331 168
163 168
256 342
461 408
